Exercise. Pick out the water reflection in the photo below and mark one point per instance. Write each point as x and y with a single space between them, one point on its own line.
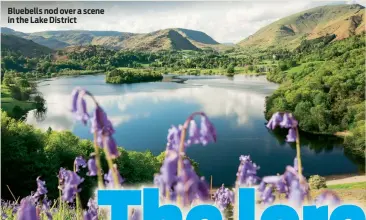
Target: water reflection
142 114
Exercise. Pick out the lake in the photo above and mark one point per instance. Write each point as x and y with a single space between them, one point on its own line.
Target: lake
142 113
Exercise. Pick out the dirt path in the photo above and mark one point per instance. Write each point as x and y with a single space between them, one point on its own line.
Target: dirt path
353 179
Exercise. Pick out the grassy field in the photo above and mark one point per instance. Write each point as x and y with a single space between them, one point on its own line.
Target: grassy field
300 67
359 185
8 103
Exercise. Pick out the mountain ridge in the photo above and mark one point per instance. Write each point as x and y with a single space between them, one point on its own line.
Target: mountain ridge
341 20
24 46
176 39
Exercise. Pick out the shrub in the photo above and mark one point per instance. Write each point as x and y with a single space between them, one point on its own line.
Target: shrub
317 182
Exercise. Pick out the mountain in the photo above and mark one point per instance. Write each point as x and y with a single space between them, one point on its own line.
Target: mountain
341 20
5 30
48 42
79 37
196 36
168 39
23 46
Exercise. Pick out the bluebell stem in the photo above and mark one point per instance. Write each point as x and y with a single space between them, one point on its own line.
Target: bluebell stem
288 121
79 108
109 178
101 127
173 167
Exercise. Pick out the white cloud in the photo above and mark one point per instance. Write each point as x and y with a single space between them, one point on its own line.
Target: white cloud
215 98
224 21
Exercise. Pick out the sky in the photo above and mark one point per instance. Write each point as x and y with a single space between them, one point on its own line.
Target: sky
226 22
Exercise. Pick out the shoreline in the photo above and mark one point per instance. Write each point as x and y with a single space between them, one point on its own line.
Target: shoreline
345 178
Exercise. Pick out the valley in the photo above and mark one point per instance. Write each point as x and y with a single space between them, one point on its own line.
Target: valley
310 63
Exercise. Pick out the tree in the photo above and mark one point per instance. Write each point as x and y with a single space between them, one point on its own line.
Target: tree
230 70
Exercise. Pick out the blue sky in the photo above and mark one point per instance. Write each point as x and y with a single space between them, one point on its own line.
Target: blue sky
224 21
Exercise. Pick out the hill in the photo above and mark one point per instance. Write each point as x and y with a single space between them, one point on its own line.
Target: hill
341 20
48 42
79 37
168 39
23 46
196 36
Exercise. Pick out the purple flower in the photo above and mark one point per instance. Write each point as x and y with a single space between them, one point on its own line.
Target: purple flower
296 195
109 177
100 123
190 186
79 107
223 197
274 121
46 208
203 190
112 147
75 95
247 172
69 193
41 188
61 177
284 120
290 183
194 133
79 162
203 135
174 137
27 210
291 137
92 213
72 181
92 166
72 178
327 198
267 196
135 215
169 168
288 121
208 131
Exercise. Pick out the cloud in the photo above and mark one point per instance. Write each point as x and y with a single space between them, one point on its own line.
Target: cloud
224 21
216 98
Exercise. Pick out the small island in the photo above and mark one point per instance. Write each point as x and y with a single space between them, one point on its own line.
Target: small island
121 76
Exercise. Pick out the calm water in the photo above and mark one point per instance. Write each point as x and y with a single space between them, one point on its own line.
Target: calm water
142 114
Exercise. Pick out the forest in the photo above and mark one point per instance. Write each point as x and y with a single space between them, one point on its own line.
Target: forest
120 76
34 153
326 81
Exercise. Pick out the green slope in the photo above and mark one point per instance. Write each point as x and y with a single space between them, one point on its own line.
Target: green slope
341 20
197 36
23 46
167 39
